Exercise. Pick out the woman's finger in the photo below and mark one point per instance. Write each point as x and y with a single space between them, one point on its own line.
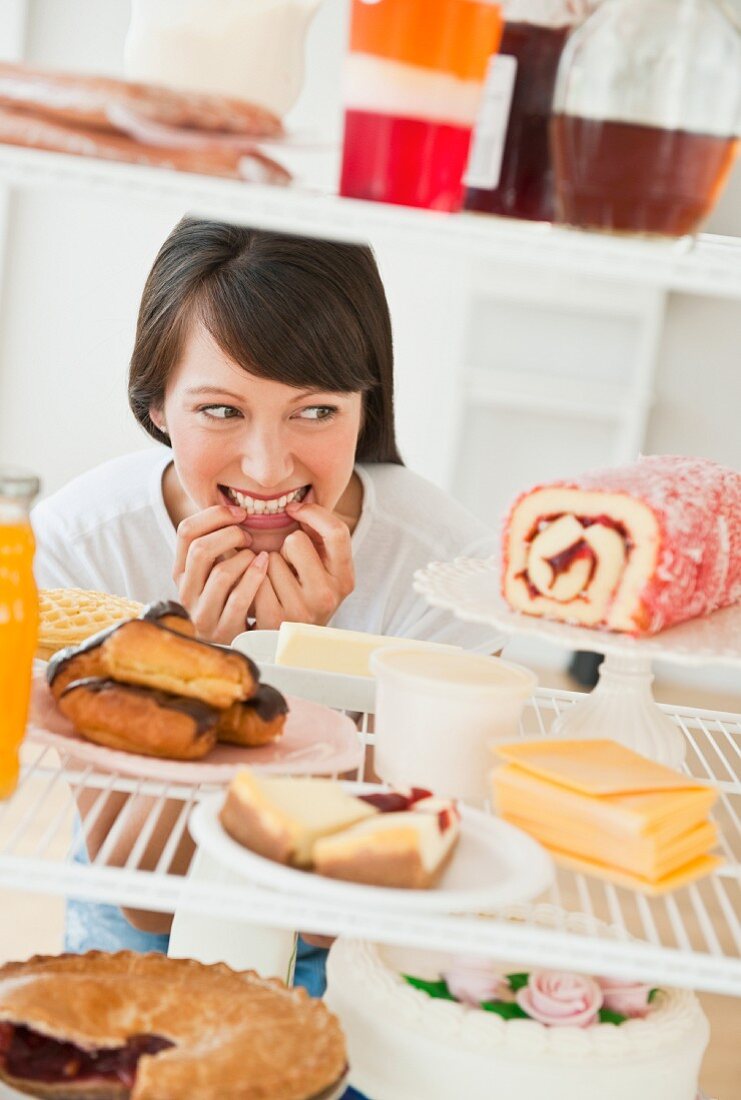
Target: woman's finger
266 607
203 555
209 607
203 523
335 536
234 618
287 589
303 558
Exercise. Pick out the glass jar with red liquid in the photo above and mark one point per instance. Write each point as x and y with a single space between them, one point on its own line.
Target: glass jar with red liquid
646 116
510 171
413 80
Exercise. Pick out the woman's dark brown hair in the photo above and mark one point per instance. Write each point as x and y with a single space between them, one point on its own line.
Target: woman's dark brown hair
303 312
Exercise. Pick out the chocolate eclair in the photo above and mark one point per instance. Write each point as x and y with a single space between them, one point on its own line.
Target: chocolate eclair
170 614
77 662
147 654
140 719
257 721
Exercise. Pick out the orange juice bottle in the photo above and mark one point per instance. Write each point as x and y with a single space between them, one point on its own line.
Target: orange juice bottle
19 610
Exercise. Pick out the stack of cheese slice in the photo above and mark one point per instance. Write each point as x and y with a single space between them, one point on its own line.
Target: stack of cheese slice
605 810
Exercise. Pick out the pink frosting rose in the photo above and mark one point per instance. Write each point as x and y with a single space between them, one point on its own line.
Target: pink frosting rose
474 980
561 1000
627 998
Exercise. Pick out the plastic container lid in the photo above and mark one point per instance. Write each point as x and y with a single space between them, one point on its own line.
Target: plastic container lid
467 672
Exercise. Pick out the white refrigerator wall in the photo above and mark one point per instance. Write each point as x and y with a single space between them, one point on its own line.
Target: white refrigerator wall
75 265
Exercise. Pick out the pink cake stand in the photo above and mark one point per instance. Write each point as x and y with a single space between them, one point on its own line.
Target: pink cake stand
621 706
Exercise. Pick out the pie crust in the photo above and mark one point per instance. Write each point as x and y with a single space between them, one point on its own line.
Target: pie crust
235 1035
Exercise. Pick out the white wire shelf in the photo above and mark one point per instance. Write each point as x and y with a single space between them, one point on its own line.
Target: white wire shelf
707 265
691 938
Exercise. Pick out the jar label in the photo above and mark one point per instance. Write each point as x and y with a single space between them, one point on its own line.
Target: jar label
487 149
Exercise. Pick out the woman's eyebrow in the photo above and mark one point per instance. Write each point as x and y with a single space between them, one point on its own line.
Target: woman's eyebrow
194 391
200 390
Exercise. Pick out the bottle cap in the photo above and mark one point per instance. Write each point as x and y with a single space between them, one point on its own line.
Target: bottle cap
18 484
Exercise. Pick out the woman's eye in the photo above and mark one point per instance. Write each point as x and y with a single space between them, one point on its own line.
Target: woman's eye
219 412
318 412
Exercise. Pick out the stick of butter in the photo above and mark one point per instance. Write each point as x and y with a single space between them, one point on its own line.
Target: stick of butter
327 649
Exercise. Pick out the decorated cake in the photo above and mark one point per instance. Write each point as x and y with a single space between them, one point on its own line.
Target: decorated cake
633 549
443 1026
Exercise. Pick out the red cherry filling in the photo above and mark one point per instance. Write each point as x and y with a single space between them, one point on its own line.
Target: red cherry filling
30 1056
562 561
559 563
394 802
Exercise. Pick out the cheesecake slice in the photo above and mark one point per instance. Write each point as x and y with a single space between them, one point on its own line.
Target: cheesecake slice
406 850
282 819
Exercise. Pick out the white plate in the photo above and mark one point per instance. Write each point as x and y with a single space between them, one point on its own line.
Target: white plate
494 865
470 588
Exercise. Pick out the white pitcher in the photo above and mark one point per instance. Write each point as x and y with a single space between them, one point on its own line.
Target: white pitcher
251 49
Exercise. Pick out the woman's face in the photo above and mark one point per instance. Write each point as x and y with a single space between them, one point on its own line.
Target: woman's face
240 439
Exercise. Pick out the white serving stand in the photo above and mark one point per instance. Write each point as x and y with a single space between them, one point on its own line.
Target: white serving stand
621 707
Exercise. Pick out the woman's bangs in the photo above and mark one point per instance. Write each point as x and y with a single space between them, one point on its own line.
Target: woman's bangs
323 350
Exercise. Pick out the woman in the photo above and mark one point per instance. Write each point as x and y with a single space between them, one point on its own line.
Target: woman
263 367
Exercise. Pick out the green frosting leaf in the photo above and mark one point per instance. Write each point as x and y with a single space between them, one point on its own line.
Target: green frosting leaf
516 981
653 994
438 990
506 1009
607 1017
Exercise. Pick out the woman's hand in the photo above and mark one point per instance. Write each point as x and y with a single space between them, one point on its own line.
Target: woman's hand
216 573
311 575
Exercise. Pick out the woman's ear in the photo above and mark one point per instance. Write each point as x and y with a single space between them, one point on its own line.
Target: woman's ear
157 416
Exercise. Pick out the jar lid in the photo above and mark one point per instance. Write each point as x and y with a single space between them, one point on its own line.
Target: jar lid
18 484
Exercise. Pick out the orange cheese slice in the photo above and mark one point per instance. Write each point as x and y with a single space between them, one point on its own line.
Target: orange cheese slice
683 876
662 815
598 767
641 857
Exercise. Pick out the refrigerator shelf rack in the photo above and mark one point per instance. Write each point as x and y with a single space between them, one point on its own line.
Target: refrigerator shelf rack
708 265
690 938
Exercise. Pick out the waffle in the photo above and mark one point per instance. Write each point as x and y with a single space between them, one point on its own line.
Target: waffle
69 615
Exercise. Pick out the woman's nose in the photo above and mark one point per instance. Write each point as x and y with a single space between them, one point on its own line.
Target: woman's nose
265 458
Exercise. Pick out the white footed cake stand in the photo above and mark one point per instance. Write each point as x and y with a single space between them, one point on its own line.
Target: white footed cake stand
621 707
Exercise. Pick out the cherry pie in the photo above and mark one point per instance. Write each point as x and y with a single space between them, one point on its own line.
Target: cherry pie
146 1027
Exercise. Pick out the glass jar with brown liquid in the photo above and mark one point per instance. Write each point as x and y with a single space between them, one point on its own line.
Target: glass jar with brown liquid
646 116
509 170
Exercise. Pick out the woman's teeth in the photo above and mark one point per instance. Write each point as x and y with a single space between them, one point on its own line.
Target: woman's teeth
255 507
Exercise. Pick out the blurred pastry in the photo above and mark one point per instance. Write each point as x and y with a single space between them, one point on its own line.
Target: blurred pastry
76 662
635 548
67 616
170 614
147 1027
257 721
145 653
282 819
406 850
139 719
